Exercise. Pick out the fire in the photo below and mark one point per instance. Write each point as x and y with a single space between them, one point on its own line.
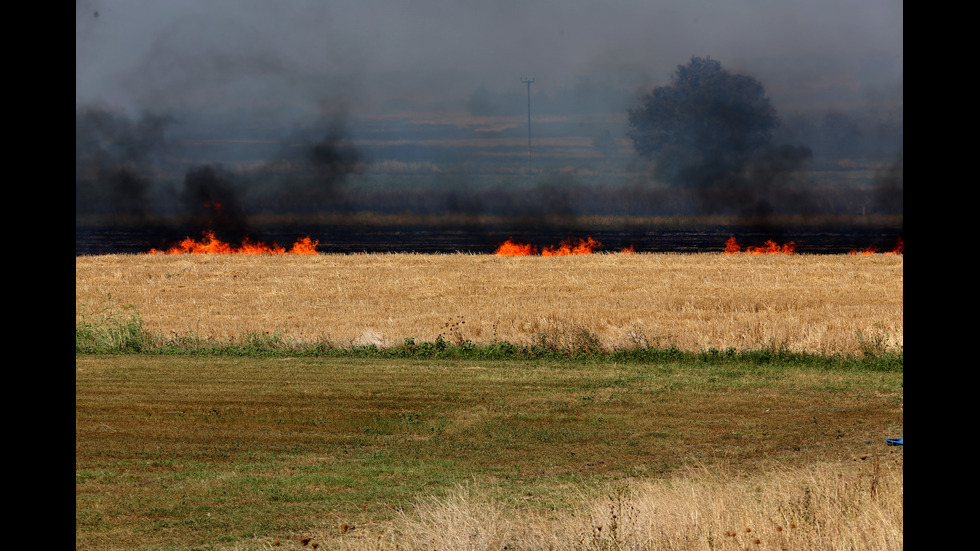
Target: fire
215 206
211 245
565 248
899 248
866 251
732 246
770 247
511 248
304 246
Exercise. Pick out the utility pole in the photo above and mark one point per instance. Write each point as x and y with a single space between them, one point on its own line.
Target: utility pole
528 82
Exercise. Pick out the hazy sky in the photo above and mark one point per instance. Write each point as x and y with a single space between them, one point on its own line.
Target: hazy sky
164 55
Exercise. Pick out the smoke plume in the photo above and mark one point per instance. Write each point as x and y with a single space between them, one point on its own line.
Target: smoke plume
319 108
117 160
128 168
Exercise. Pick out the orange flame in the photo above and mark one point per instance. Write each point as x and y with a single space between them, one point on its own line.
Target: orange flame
512 248
732 246
866 251
211 245
770 247
304 246
899 248
565 248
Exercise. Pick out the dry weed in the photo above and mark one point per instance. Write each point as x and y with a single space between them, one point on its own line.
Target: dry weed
827 506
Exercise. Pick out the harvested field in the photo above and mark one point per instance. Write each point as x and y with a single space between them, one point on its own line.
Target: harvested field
810 303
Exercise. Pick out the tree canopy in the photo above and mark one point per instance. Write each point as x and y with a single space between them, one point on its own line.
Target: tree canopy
704 125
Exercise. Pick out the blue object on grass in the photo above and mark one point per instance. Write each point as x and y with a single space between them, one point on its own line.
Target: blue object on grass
894 441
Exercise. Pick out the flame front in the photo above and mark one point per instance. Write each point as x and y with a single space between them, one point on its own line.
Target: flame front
770 247
565 248
304 246
732 246
512 248
212 245
899 248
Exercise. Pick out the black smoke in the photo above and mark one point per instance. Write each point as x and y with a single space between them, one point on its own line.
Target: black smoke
889 187
117 160
142 170
312 170
212 198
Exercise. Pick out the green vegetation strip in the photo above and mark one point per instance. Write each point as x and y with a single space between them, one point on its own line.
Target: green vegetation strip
208 451
122 332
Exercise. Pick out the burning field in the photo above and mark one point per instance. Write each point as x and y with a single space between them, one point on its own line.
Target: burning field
565 248
209 244
815 303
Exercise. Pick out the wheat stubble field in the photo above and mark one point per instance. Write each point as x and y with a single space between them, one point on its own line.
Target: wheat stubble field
815 303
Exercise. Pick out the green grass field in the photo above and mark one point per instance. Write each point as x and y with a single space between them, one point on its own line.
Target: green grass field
220 452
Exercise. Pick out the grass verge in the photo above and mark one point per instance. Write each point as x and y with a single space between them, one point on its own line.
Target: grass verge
120 331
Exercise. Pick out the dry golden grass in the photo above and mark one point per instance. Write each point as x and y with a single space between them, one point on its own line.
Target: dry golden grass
809 303
817 507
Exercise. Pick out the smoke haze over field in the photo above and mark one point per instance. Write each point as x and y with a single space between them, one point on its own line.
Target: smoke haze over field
276 105
302 57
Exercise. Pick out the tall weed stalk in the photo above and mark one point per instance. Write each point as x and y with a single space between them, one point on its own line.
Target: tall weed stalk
111 329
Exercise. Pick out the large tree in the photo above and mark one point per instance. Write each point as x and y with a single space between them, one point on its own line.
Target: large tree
705 125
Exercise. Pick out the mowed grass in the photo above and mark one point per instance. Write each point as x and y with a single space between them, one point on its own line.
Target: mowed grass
204 452
821 304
